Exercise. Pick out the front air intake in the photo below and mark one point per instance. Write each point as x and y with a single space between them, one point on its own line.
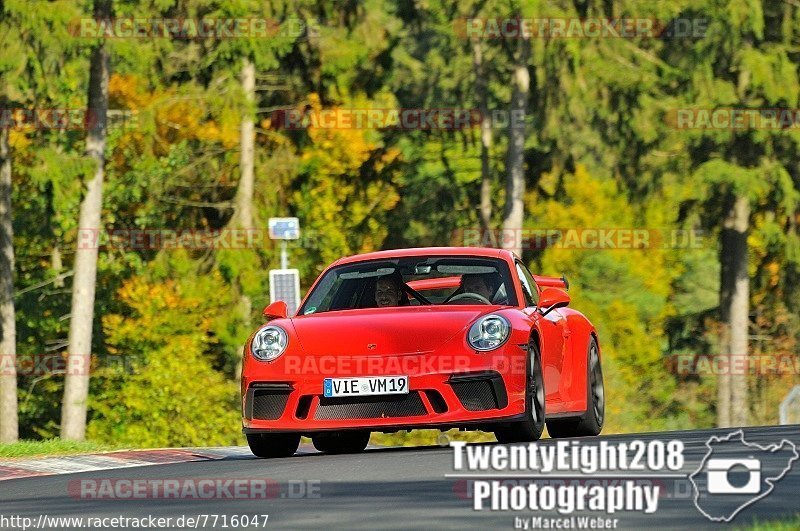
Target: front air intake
480 391
266 401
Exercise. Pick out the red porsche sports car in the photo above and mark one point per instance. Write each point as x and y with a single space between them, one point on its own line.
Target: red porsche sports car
422 338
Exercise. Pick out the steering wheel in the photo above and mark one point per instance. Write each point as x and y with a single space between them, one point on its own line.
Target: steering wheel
475 296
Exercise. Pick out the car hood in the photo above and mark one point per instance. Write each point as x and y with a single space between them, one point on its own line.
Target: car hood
384 331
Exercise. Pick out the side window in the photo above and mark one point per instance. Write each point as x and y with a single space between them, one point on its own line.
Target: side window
532 284
528 286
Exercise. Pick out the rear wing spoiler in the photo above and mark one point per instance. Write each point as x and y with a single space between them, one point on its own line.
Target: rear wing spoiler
552 282
434 283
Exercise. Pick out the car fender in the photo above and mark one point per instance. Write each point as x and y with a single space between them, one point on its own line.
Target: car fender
581 333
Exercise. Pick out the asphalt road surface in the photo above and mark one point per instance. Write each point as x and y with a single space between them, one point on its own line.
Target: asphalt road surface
381 488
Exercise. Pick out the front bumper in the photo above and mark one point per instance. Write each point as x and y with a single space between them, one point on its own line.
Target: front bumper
470 399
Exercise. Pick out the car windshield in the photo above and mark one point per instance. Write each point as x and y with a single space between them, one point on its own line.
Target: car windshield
412 281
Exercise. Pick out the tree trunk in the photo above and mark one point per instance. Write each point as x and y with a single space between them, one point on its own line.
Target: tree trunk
514 213
733 405
243 216
76 385
9 428
724 378
740 314
244 193
482 95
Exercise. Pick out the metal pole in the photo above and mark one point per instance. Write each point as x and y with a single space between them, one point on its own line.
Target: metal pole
284 257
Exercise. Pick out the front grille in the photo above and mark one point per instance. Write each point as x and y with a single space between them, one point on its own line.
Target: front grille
480 391
370 407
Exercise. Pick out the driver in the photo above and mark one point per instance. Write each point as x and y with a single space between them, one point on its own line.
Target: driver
479 284
389 291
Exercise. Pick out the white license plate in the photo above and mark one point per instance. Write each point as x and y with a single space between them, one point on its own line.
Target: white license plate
378 385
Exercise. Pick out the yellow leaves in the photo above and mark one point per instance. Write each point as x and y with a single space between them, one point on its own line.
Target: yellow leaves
124 92
226 134
591 203
18 141
391 155
773 270
548 182
182 118
131 290
178 116
340 150
349 186
152 306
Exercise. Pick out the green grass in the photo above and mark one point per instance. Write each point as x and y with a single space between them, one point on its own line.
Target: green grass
776 525
49 447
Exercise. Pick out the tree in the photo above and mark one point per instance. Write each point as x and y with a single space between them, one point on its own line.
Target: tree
742 173
76 385
33 56
514 213
8 343
735 303
244 192
163 329
482 96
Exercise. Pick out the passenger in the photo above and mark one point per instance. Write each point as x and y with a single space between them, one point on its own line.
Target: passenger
389 291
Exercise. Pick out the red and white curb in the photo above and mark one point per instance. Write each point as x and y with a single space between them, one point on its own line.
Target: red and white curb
16 468
70 464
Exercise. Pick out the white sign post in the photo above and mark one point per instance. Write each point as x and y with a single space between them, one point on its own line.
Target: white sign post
284 283
284 229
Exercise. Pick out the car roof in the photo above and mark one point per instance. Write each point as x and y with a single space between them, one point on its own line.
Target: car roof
427 251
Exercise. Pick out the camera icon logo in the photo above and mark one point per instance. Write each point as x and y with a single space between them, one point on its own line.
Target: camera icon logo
735 474
719 472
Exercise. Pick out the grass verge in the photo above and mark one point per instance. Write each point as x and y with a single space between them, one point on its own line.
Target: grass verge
428 437
790 524
49 447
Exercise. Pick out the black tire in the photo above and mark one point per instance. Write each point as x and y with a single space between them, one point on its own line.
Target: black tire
345 442
531 428
273 444
591 422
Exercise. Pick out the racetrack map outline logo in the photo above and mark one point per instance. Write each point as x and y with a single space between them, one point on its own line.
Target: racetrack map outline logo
716 496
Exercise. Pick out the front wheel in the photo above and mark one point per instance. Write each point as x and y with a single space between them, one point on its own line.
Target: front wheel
346 442
273 444
531 428
591 423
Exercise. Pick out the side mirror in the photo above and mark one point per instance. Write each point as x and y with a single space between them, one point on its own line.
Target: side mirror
552 298
276 310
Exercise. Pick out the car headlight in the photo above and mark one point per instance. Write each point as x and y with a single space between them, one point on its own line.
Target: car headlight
269 343
489 332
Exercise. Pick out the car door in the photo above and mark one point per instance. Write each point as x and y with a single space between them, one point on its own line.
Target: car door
554 330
